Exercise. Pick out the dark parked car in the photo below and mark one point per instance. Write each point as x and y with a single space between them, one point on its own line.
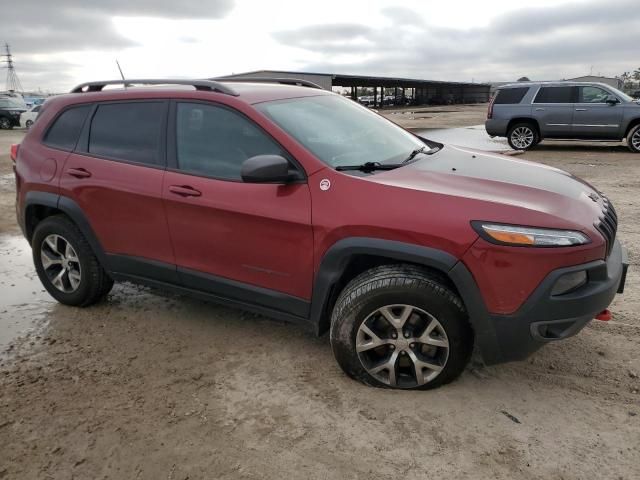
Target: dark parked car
527 113
300 204
10 110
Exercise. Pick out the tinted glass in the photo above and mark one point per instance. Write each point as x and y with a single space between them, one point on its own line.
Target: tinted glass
128 131
592 95
339 131
36 109
510 95
555 95
64 133
215 141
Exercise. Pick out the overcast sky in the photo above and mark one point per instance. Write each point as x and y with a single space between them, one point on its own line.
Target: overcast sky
59 43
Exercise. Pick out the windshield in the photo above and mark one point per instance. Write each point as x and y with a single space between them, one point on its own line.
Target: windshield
12 102
339 131
622 95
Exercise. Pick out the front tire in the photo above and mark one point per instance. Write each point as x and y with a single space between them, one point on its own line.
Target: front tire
402 327
66 265
633 139
523 136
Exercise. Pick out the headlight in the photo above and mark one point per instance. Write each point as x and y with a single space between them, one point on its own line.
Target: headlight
529 236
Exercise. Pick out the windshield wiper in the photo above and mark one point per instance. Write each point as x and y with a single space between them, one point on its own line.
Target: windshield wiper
413 154
369 166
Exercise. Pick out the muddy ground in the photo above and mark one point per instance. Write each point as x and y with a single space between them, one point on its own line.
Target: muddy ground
155 386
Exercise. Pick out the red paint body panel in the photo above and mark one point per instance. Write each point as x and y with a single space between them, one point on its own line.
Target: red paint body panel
123 205
252 233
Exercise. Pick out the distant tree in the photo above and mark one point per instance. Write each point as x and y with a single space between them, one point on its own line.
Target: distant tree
524 79
636 74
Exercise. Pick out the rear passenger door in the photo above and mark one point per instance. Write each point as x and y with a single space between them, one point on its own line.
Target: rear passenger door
115 177
594 117
553 108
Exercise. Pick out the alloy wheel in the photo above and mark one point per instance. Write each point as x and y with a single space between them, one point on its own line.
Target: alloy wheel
4 123
402 346
635 140
522 137
60 263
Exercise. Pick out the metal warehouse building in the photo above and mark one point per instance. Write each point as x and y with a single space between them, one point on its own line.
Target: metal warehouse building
418 91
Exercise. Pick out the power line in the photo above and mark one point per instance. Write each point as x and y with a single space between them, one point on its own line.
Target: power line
12 82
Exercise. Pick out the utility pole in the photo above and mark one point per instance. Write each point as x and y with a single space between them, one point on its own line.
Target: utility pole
13 82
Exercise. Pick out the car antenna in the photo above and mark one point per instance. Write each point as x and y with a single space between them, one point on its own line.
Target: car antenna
120 70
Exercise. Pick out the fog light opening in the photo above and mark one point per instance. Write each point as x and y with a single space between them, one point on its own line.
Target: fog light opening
569 282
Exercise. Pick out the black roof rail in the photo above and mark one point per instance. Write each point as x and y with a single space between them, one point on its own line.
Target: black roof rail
209 85
283 81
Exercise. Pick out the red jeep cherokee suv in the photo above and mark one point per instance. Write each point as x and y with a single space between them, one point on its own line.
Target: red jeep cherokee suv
288 200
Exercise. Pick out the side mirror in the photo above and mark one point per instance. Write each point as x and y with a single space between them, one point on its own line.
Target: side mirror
612 100
267 169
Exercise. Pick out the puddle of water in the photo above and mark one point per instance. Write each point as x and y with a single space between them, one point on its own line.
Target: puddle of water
471 137
23 300
8 179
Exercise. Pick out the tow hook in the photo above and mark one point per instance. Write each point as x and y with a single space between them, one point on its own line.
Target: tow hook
604 315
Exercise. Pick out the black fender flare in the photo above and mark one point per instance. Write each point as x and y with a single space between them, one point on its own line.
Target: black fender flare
69 208
338 256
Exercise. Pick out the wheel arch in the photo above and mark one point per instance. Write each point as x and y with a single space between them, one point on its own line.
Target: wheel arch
632 124
351 256
40 205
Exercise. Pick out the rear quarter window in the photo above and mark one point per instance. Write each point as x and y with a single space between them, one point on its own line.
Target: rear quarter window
64 132
510 95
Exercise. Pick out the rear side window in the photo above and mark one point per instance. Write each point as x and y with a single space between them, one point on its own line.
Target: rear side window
510 95
215 141
64 132
128 131
554 95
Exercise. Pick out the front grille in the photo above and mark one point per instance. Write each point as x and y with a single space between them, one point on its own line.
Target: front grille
608 224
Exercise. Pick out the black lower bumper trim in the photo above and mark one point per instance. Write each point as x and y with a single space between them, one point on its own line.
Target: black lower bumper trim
545 317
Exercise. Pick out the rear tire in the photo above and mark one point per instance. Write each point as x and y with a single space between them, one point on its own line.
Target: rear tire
29 123
5 123
633 139
523 136
66 264
406 318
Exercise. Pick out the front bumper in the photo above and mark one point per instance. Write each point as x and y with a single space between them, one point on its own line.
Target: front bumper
544 317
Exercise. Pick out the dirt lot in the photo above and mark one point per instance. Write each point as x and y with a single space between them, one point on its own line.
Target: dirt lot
161 387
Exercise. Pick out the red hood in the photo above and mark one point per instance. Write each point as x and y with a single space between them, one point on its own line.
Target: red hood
563 200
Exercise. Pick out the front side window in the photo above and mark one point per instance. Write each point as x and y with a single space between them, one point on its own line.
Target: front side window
554 95
214 141
128 131
592 95
339 131
64 132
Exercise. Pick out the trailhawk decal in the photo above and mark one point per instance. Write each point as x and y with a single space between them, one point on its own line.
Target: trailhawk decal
325 184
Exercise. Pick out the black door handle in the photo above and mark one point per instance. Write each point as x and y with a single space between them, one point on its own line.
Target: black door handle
79 172
184 191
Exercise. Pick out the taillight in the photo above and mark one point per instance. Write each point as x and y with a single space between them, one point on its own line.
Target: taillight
490 110
14 152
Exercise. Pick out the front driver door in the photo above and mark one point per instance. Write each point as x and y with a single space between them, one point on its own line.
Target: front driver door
245 241
594 117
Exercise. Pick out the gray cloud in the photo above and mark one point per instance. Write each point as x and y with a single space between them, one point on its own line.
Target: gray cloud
542 43
34 27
